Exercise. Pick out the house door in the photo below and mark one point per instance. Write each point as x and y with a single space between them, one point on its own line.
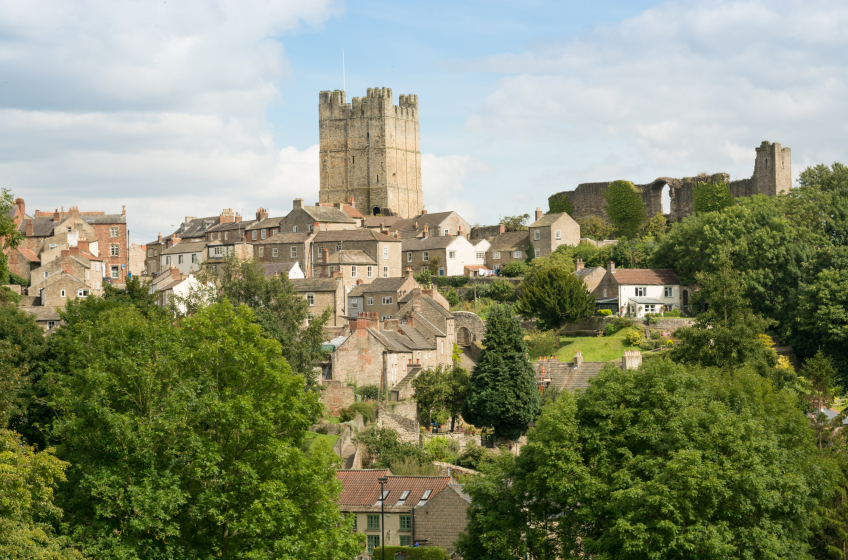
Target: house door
685 298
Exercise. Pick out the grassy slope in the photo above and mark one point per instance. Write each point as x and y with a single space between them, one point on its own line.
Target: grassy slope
595 349
330 440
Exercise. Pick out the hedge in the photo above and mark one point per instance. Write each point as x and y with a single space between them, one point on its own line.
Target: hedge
412 553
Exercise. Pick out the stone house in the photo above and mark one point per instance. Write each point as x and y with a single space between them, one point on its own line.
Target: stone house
73 262
591 276
324 293
229 231
192 229
351 265
63 286
264 227
384 249
435 225
452 253
419 509
292 270
137 256
381 296
506 248
22 261
186 257
641 291
328 217
285 248
549 231
45 317
423 310
174 283
389 224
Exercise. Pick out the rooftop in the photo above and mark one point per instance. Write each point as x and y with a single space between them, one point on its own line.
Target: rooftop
378 285
360 234
427 243
649 277
330 215
548 219
361 488
316 284
286 237
510 241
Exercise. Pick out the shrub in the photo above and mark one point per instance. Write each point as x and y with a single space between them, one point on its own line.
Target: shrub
655 335
384 449
483 290
473 455
441 448
368 410
321 430
459 281
7 295
605 312
368 392
424 278
409 466
419 553
633 338
542 343
648 344
514 269
500 290
621 323
452 297
674 313
609 329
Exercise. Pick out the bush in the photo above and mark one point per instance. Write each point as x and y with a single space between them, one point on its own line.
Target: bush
605 312
7 295
609 329
621 323
452 297
459 281
648 344
368 410
384 449
441 448
409 466
501 290
412 553
321 430
368 392
542 343
482 290
655 335
673 313
514 269
424 278
633 338
473 455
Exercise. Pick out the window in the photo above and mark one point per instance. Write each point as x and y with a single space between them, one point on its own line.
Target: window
538 252
385 252
293 252
516 254
97 266
114 250
425 497
451 254
373 540
310 298
353 272
496 256
406 540
605 292
385 272
373 523
167 260
354 303
409 257
294 229
370 301
62 293
370 271
650 308
558 234
262 234
226 236
219 235
46 274
387 300
113 232
82 293
115 272
52 245
441 271
537 235
194 257
481 256
275 252
640 292
668 292
261 251
50 324
426 256
150 252
253 235
446 232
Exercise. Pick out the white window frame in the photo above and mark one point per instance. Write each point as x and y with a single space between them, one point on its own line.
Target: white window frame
537 235
294 229
82 293
309 227
409 256
668 291
445 232
51 325
371 301
558 234
640 291
481 256
311 299
52 245
385 272
262 234
516 254
538 252
114 250
425 256
650 308
46 274
353 271
275 252
61 293
388 300
179 259
338 247
385 252
496 256
261 251
293 252
386 317
113 232
451 254
369 272
253 235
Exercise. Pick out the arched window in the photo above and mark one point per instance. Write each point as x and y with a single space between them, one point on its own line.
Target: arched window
376 210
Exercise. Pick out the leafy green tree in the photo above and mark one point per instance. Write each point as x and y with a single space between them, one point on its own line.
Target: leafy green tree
135 293
515 223
555 297
187 440
560 203
430 390
513 269
665 461
501 290
624 207
656 227
425 278
833 178
10 237
457 381
711 197
821 376
384 449
530 252
595 227
502 393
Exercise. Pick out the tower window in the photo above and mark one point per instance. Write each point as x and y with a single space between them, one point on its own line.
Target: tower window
766 166
354 159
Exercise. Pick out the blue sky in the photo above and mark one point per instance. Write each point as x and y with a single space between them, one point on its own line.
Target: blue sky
181 109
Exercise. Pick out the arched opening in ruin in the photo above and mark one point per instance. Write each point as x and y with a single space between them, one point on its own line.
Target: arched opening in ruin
665 199
376 210
463 336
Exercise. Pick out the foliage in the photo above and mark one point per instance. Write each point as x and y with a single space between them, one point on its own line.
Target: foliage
473 455
624 207
424 277
410 466
595 227
368 410
368 392
501 290
9 296
559 203
711 197
633 338
385 450
656 227
620 323
560 258
821 377
19 280
441 390
28 479
187 440
830 536
660 462
442 448
452 297
542 343
591 255
604 312
513 269
502 393
136 293
12 238
530 252
412 553
455 281
556 296
515 223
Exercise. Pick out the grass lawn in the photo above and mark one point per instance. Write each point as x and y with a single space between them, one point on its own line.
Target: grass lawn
595 349
333 420
316 438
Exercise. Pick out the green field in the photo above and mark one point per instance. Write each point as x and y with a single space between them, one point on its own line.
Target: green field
595 349
329 440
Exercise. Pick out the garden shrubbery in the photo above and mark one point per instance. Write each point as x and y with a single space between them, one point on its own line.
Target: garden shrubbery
368 410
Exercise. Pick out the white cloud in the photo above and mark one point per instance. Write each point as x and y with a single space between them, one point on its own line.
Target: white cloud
442 178
681 88
156 105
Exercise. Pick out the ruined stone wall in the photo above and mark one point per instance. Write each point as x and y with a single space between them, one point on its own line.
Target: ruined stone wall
337 396
486 232
407 429
370 151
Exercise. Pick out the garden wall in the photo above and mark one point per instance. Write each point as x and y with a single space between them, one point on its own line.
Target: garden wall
337 396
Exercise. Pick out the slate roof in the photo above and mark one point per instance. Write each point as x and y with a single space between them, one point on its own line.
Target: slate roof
325 214
42 312
197 227
547 220
428 243
104 219
266 223
316 284
432 220
416 339
378 285
586 274
648 277
563 375
359 234
285 237
361 490
428 300
388 221
829 413
645 300
272 269
345 256
40 227
187 247
510 241
231 226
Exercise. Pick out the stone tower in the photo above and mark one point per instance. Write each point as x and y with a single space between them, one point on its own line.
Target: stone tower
772 169
370 152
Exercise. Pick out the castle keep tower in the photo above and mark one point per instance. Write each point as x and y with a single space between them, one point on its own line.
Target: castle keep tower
772 169
370 152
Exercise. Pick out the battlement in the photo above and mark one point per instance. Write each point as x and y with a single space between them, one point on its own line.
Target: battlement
377 102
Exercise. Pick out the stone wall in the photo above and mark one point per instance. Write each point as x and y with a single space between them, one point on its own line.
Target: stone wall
407 409
337 396
407 429
442 519
474 325
670 324
486 232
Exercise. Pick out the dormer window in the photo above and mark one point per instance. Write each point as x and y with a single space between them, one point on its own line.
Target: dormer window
403 498
383 497
425 497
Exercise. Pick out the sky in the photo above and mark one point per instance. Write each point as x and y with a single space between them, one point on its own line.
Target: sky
177 109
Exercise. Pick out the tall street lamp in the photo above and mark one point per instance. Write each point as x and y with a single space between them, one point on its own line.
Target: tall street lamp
383 480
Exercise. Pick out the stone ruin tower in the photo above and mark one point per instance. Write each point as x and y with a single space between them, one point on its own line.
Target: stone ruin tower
772 170
370 152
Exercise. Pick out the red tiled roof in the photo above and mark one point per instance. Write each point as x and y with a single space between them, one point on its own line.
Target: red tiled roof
29 254
352 211
360 488
651 277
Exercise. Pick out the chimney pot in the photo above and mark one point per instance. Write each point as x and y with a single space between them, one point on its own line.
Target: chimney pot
578 264
611 267
539 214
502 229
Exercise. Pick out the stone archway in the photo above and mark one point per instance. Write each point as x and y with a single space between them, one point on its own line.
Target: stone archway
464 336
376 211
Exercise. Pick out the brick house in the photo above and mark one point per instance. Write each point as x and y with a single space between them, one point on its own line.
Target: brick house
285 248
323 293
381 295
549 231
384 249
452 253
263 228
506 248
413 512
435 225
328 217
641 291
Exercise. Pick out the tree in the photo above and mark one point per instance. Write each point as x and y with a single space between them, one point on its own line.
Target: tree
656 227
430 389
135 292
821 377
502 393
530 252
665 461
595 227
513 269
711 197
187 440
560 203
555 297
624 207
10 237
457 381
515 223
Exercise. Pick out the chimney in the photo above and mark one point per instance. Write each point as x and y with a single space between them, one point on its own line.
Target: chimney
29 230
175 273
578 359
359 281
19 202
632 359
262 214
325 258
160 237
337 274
74 250
410 321
175 238
391 325
351 202
374 319
65 253
502 229
238 219
298 203
66 266
56 215
426 231
611 267
83 246
578 264
316 227
416 300
227 216
539 214
423 212
338 205
408 272
123 210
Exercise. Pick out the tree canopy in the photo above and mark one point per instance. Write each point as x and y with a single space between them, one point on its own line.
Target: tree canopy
556 296
515 223
559 203
711 197
624 207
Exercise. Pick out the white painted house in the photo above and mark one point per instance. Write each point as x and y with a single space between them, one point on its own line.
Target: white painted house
641 291
452 253
185 256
